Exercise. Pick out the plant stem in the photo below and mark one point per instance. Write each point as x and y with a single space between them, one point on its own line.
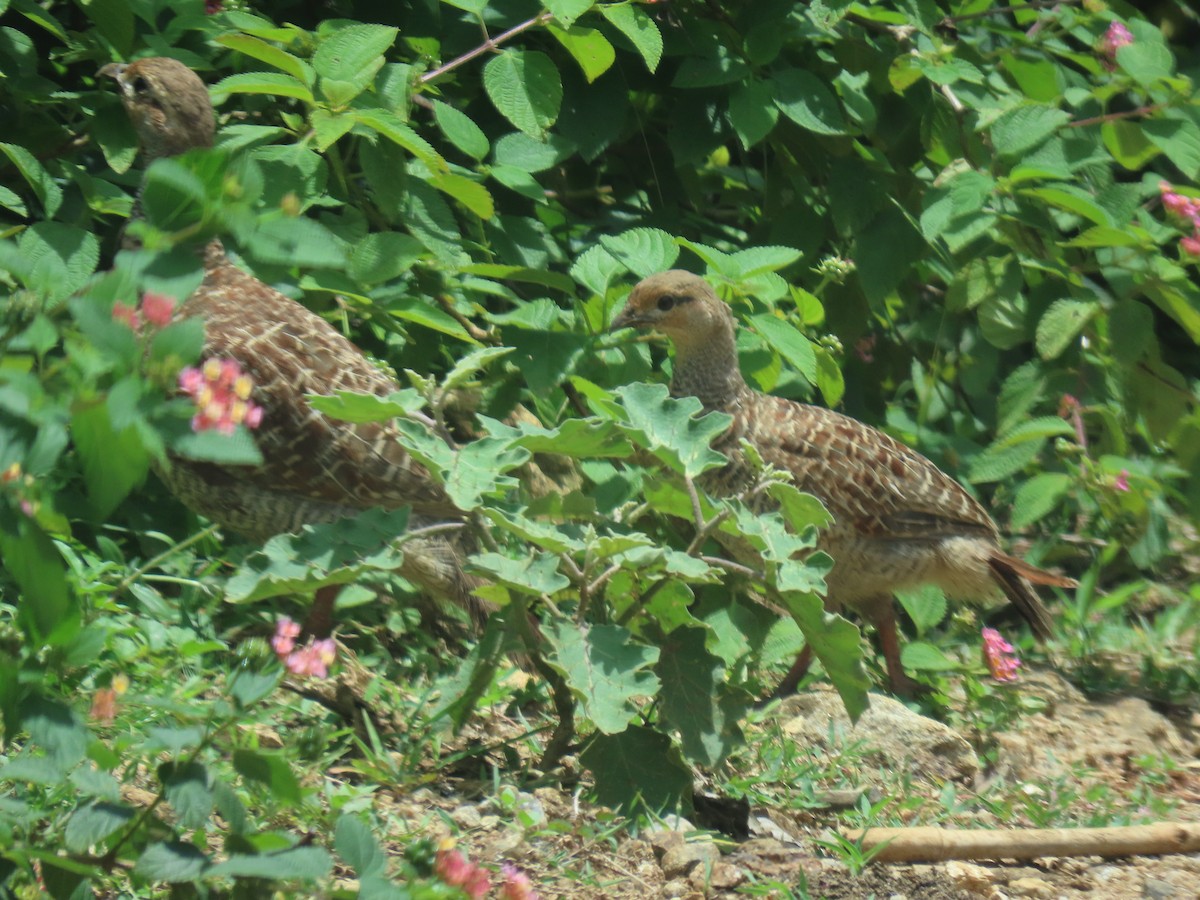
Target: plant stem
491 43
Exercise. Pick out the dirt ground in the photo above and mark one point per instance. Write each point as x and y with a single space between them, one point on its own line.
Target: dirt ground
1092 750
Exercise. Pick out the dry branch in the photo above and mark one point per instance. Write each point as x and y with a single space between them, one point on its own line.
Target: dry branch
931 844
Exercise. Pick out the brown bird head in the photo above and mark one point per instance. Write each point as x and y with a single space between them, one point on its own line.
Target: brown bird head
681 305
167 103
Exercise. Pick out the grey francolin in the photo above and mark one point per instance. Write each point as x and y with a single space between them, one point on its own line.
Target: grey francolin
315 469
899 521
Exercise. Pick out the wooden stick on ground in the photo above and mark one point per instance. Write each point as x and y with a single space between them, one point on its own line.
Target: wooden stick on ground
932 844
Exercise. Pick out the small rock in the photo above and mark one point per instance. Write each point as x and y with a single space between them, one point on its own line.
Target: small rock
466 817
662 841
680 859
893 736
1031 887
726 877
676 888
971 878
1157 889
507 841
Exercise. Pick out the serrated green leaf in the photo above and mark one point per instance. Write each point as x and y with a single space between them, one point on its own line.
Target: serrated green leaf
1061 323
187 789
383 255
922 657
90 825
1021 129
270 770
789 343
695 699
114 462
637 770
587 46
534 574
1038 497
752 111
925 605
308 863
995 465
670 429
1146 61
643 251
174 862
270 54
808 101
273 83
525 87
357 847
400 133
605 668
641 30
470 193
44 186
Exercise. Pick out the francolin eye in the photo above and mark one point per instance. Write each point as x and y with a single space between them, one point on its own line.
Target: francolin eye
666 302
140 85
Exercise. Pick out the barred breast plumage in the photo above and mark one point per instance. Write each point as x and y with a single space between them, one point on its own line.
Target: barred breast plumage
899 521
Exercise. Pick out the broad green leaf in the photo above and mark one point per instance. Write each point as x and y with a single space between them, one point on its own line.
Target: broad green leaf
270 54
534 574
1038 497
1146 61
605 668
275 84
1128 143
788 342
470 193
637 770
836 643
460 130
670 430
808 101
641 30
925 605
1073 200
308 863
270 770
187 789
922 657
212 446
357 847
643 251
354 53
47 610
752 111
1131 330
469 474
1061 323
588 46
400 133
91 825
567 11
525 87
997 464
174 862
383 255
56 729
45 187
1021 129
114 462
695 700
58 259
1179 139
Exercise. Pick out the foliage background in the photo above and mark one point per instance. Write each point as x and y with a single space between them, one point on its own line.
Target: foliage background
943 219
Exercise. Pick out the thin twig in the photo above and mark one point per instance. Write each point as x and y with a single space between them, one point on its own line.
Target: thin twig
491 43
166 554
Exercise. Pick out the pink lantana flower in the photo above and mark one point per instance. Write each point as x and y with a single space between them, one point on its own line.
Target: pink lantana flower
999 656
286 632
158 309
124 312
221 392
456 870
1122 481
1116 37
517 885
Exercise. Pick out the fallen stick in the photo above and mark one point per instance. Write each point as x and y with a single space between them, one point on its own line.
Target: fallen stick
932 844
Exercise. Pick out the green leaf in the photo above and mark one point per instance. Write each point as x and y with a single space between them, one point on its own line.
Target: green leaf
55 728
400 133
212 446
460 130
695 699
270 770
836 643
567 11
788 342
752 111
1021 129
470 193
922 657
637 770
1061 323
1038 497
187 789
47 611
89 826
643 251
641 30
383 255
605 668
587 46
525 87
670 430
58 258
1179 139
357 847
1146 61
1073 200
114 462
275 84
998 464
44 186
352 56
534 574
352 407
173 862
270 54
925 605
308 863
808 101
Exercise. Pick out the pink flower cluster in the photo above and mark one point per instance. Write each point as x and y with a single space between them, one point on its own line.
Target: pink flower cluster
154 308
314 658
455 870
22 485
1187 209
999 656
221 392
1116 37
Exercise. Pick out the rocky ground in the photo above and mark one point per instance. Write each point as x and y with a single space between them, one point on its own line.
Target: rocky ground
1077 761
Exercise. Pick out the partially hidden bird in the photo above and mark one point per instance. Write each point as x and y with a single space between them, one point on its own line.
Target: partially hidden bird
898 520
314 468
